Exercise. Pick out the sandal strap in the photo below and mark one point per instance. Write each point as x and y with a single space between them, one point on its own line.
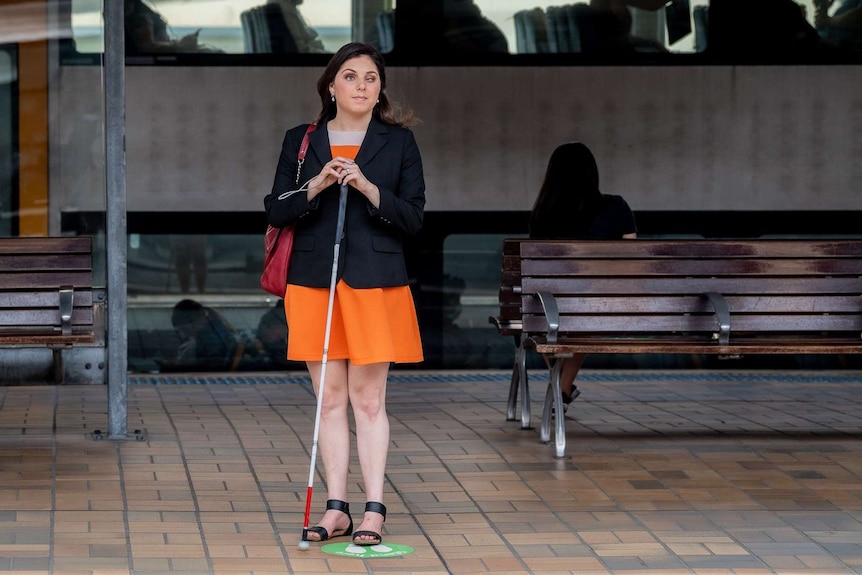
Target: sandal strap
321 532
338 505
376 538
376 507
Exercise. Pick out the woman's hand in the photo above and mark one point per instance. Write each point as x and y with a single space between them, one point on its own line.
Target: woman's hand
343 171
189 41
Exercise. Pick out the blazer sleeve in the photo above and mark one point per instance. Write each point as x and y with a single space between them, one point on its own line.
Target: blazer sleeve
404 206
284 212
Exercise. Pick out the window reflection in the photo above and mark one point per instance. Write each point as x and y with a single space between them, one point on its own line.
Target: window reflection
620 27
769 27
466 29
147 31
839 23
279 26
219 26
611 26
195 304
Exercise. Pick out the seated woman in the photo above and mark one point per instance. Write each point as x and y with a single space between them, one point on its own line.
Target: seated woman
571 206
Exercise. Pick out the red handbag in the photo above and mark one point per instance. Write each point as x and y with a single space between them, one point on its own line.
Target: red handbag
278 242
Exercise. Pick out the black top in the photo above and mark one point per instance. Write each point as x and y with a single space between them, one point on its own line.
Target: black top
613 220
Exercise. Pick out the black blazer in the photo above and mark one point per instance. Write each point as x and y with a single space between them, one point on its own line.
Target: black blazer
371 252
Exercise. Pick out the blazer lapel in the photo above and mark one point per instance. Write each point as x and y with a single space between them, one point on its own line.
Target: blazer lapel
375 139
318 142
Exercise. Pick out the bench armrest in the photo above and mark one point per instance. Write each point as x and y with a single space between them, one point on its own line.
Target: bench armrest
722 313
67 303
552 314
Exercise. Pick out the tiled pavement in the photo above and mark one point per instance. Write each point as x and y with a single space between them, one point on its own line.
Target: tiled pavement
669 472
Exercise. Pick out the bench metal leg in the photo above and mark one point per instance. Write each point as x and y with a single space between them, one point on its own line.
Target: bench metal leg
520 384
526 417
513 386
554 405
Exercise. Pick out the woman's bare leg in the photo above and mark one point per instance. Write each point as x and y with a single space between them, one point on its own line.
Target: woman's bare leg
571 367
333 438
367 392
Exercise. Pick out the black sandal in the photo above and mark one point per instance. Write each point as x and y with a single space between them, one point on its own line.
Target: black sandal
568 398
373 507
338 505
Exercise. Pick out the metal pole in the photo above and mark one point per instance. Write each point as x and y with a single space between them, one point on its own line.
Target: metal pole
117 343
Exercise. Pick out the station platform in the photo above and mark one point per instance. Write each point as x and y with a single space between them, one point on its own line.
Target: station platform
668 472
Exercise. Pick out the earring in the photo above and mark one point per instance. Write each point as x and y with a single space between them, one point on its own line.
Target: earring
332 96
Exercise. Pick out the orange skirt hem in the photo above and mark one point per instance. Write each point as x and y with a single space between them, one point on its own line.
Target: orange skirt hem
375 325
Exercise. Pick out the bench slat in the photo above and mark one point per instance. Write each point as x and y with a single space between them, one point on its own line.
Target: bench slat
509 315
690 248
758 347
691 267
51 338
691 286
697 304
43 317
51 245
51 262
42 299
45 280
665 324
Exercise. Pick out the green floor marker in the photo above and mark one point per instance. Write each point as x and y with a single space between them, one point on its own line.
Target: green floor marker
367 551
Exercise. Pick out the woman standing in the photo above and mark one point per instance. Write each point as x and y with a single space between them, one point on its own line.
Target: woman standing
363 142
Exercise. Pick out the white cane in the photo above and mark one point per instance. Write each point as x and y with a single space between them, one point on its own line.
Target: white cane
339 228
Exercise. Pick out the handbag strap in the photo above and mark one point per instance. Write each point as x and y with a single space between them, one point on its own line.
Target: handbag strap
303 148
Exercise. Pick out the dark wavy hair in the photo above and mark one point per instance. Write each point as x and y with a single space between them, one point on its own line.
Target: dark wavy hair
385 110
569 198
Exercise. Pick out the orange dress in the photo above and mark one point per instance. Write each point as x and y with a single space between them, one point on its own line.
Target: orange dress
375 325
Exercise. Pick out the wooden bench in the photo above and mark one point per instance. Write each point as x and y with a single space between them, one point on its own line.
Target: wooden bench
722 297
47 296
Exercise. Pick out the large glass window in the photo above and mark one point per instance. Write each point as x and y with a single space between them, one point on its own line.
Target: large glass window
621 29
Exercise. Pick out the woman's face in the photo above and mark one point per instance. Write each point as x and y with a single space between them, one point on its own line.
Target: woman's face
356 86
